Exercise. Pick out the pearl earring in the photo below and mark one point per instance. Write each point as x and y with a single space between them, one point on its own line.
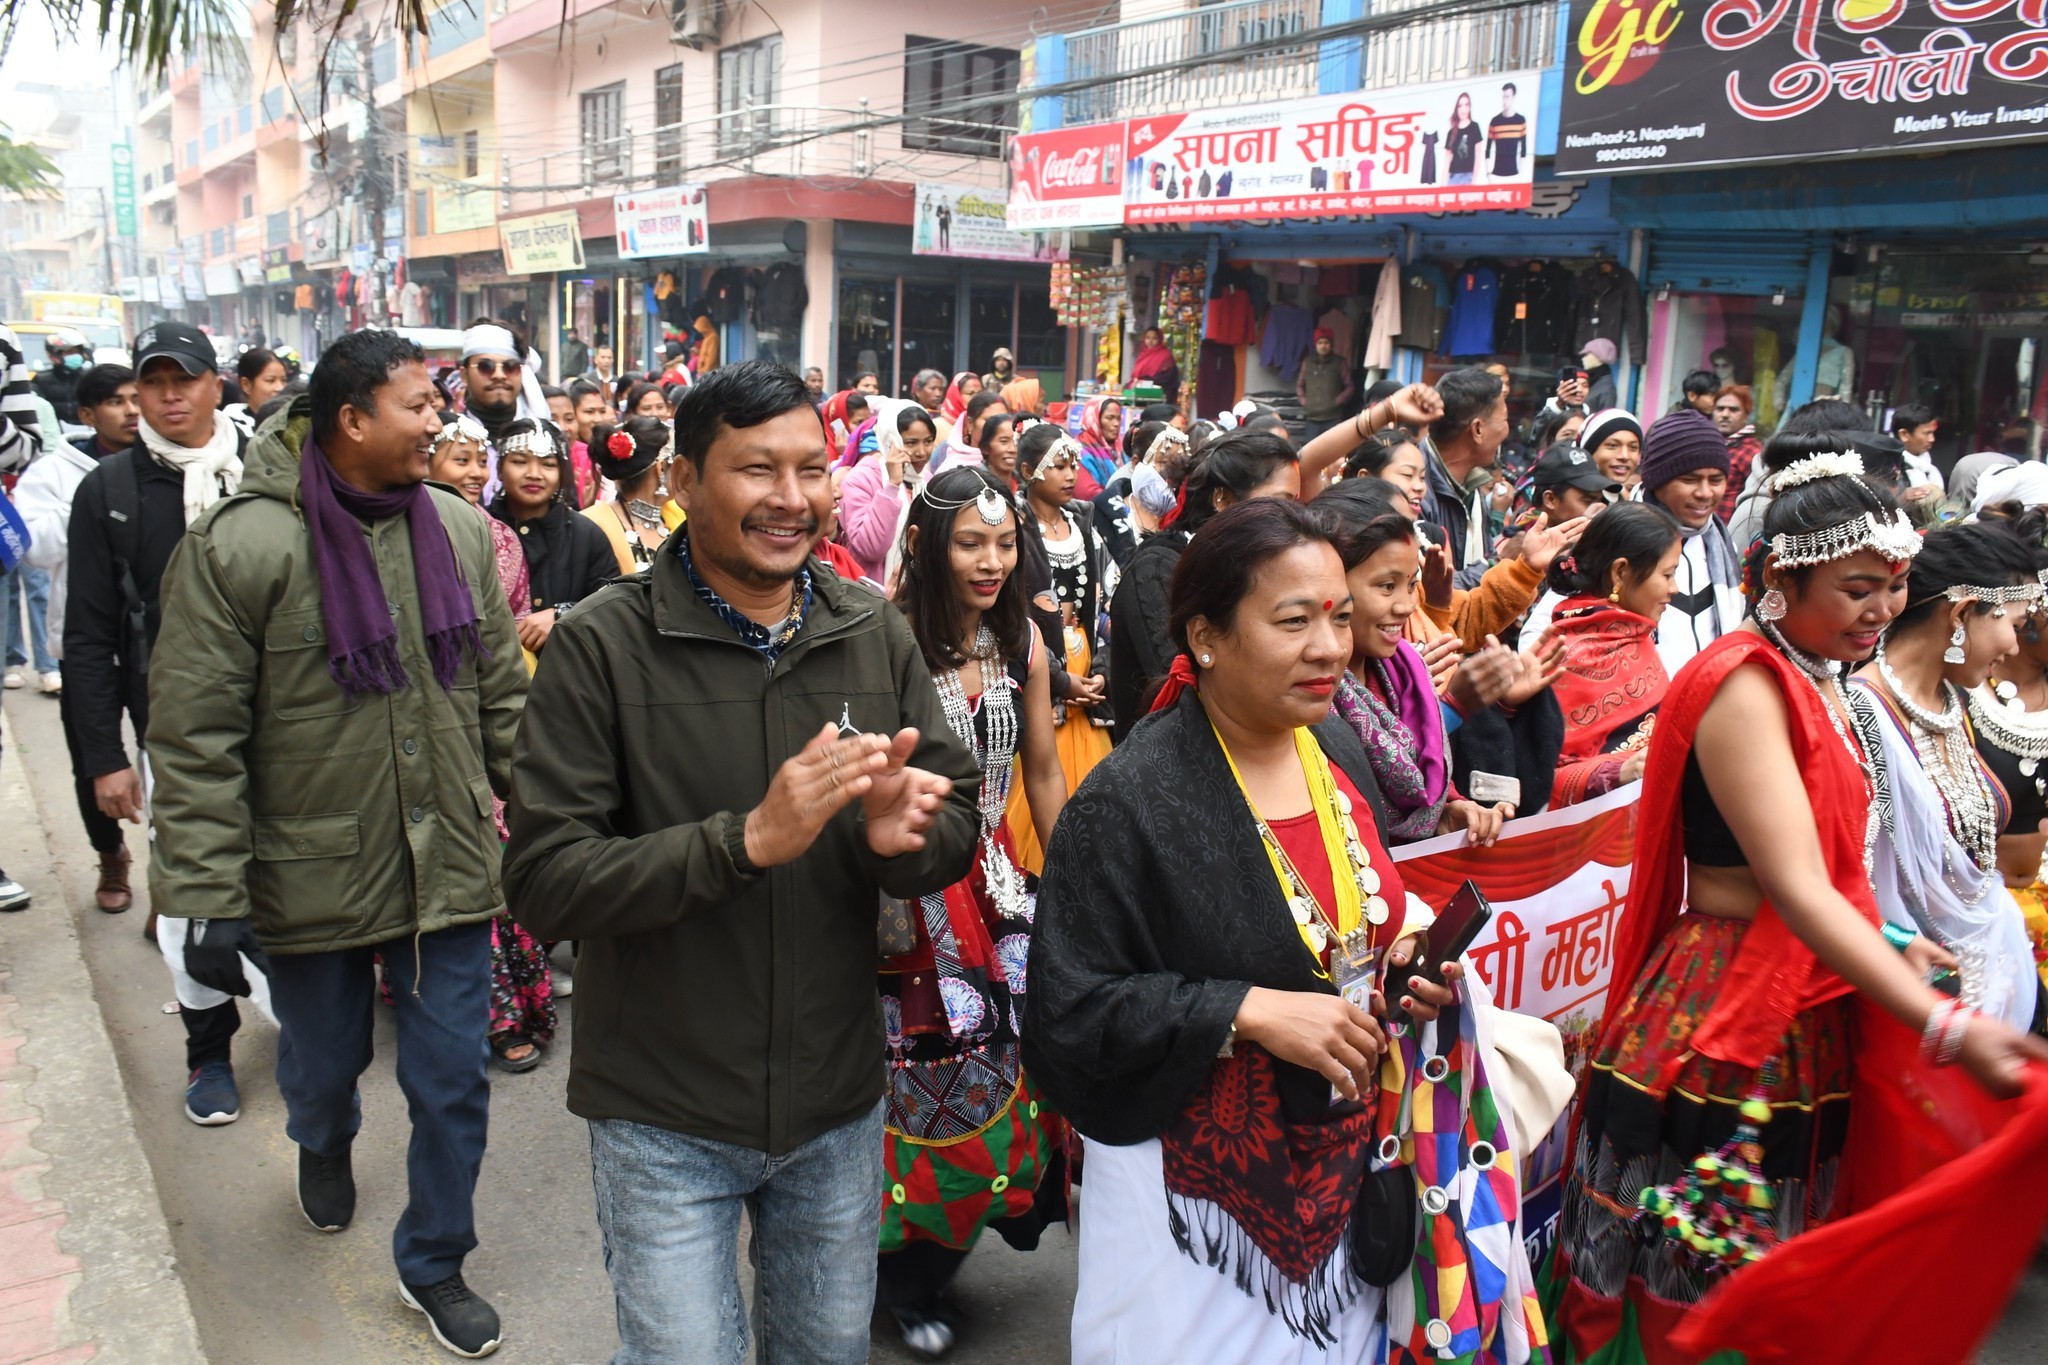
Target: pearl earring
1954 653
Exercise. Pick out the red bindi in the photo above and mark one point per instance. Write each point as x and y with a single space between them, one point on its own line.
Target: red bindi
1327 604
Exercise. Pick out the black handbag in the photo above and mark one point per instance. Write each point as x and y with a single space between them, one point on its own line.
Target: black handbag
1383 1225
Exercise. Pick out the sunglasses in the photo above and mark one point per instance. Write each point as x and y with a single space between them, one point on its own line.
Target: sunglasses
490 369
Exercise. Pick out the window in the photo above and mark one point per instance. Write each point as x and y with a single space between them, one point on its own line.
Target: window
472 154
749 84
191 151
212 138
218 243
668 119
248 206
453 25
1248 24
242 119
277 228
273 104
604 146
384 62
978 84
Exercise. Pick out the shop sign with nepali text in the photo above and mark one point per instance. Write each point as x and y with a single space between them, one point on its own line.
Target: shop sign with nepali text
970 222
670 222
1449 146
1650 84
541 244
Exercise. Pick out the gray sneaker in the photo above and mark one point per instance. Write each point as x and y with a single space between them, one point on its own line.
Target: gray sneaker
13 895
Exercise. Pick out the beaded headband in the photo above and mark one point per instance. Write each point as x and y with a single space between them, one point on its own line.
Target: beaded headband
1993 597
1065 445
1169 438
529 443
988 504
1895 539
1828 464
462 427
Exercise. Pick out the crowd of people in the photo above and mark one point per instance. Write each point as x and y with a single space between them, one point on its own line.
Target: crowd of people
969 812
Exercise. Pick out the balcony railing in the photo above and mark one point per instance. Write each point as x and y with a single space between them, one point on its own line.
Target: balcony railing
1517 39
1126 58
1219 55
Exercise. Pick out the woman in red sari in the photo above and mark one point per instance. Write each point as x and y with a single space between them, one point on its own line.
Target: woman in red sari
1615 584
1750 937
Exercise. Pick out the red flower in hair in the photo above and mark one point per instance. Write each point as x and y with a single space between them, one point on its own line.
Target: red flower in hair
620 445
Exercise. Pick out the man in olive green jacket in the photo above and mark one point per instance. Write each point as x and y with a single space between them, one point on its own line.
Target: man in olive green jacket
334 696
688 804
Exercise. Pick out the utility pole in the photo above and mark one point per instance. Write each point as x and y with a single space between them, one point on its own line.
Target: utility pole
374 169
106 243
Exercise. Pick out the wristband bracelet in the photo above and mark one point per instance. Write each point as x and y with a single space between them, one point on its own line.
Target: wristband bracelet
1898 936
1941 1041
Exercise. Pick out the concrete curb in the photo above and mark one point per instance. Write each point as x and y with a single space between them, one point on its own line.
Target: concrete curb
86 1265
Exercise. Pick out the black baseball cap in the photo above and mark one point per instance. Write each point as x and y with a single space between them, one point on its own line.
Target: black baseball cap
179 341
1565 466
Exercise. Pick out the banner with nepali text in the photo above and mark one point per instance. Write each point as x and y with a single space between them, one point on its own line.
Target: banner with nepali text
1557 882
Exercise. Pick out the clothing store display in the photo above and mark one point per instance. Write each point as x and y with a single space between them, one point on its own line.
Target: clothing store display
1607 302
1534 308
1389 311
725 294
1429 141
1231 321
780 297
1473 293
1509 136
1286 339
1461 145
1425 306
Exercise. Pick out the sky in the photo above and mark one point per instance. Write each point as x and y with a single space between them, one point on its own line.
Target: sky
38 55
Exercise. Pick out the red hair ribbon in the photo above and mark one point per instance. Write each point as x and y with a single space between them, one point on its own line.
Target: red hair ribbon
620 445
1180 678
1180 502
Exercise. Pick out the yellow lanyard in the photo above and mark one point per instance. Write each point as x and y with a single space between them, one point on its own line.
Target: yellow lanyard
1323 798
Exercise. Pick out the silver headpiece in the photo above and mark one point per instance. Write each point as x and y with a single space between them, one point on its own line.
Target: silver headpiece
1895 539
1993 597
1166 440
1829 464
529 443
991 506
1065 445
462 427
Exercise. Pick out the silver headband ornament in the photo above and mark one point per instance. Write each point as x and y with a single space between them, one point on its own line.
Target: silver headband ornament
537 443
1166 441
1894 539
462 427
992 507
1993 597
1065 445
1828 464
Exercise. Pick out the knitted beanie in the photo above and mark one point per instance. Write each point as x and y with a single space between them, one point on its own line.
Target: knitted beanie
1679 443
1606 423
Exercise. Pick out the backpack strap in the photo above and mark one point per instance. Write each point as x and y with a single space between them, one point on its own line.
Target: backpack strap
123 475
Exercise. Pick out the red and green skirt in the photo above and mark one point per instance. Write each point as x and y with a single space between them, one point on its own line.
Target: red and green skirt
1616 1287
947 1192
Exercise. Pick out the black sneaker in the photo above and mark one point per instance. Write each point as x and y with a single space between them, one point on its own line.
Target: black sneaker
327 1190
462 1322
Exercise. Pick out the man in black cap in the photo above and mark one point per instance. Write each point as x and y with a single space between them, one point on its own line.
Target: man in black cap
1565 483
129 513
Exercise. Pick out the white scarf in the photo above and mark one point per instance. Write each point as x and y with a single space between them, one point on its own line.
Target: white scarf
212 471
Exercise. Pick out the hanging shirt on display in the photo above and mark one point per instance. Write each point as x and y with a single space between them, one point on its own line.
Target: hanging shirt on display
1389 312
1289 333
1607 302
412 306
1230 319
1535 304
1472 301
1425 300
781 297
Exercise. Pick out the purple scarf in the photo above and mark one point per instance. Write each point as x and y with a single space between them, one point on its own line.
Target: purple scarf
362 630
1404 738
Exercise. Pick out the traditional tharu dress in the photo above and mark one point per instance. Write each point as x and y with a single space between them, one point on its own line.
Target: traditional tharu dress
1933 1187
1612 683
1220 1189
969 1144
2013 742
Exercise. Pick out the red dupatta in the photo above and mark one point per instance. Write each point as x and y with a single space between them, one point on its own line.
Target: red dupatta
1774 975
1612 675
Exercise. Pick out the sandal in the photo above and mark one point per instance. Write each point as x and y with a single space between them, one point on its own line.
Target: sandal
503 1045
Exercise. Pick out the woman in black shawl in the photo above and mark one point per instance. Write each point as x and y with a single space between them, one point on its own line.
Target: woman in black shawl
1205 1001
567 556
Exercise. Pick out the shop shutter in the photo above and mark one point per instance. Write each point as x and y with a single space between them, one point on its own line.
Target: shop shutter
1729 262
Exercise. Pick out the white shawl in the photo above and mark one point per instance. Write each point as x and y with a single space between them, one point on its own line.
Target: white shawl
212 471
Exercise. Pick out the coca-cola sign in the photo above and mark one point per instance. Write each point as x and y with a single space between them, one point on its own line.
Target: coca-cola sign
1068 178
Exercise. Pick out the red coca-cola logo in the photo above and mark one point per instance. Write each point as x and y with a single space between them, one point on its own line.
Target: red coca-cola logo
1067 172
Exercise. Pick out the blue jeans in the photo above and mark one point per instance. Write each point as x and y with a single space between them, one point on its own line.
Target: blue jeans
669 1207
32 584
325 1005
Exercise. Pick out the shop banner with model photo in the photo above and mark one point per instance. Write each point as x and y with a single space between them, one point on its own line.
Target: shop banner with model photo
670 222
967 221
1650 86
1557 882
1467 144
1069 178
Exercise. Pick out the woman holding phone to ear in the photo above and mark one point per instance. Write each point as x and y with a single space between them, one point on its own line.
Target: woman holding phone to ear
873 498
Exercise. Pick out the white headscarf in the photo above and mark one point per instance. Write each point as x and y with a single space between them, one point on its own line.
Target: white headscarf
212 471
2026 484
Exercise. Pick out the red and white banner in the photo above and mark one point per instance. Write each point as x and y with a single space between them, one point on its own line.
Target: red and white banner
1557 882
1468 144
1068 178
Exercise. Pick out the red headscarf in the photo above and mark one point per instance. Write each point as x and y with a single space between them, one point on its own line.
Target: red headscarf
954 405
1152 360
834 412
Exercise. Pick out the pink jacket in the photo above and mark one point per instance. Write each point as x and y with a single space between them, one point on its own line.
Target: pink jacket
869 512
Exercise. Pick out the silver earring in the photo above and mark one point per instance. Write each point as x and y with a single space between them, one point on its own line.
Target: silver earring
1205 661
1954 653
1771 607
